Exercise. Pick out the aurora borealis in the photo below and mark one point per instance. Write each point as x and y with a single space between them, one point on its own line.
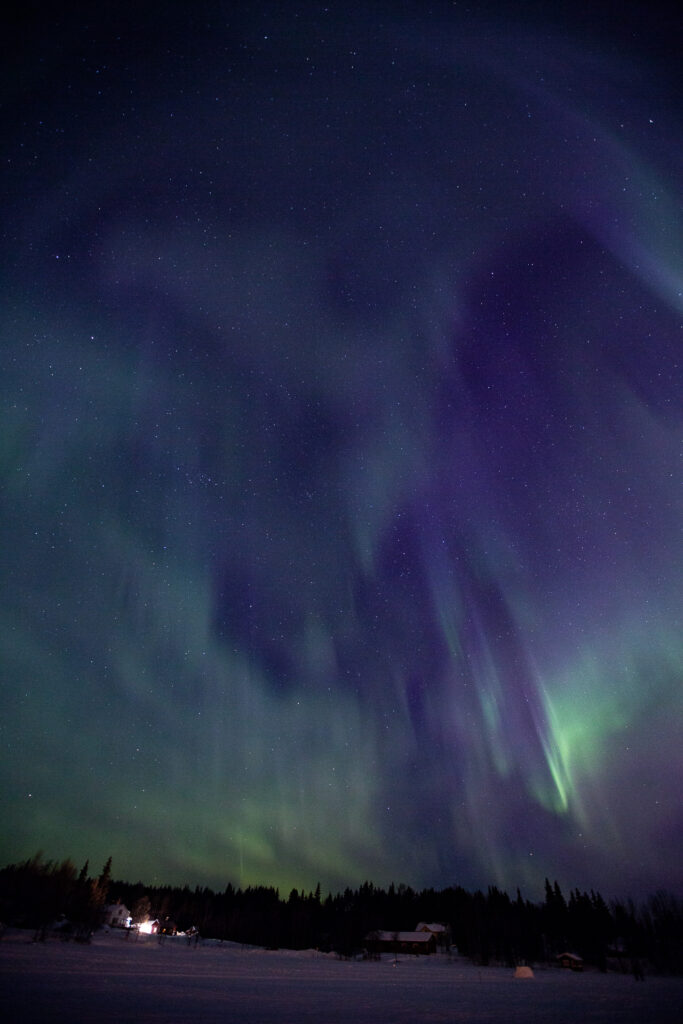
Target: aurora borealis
341 445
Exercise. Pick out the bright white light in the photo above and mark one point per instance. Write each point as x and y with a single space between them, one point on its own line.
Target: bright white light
145 927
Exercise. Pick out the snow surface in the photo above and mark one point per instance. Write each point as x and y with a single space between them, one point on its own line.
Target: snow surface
123 979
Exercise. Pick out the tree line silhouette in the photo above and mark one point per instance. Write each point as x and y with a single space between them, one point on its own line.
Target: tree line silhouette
486 927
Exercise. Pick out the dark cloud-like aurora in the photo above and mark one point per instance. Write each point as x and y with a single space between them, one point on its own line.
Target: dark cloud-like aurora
340 448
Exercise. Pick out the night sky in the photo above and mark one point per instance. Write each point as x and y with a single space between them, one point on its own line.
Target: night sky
341 444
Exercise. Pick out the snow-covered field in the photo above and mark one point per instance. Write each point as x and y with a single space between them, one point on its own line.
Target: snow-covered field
124 980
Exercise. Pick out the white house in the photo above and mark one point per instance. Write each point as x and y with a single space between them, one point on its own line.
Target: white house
117 915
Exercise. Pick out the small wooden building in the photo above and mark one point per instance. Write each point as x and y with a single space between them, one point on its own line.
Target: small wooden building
570 961
419 943
441 932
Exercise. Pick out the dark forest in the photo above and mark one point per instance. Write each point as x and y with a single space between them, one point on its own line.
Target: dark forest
487 927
